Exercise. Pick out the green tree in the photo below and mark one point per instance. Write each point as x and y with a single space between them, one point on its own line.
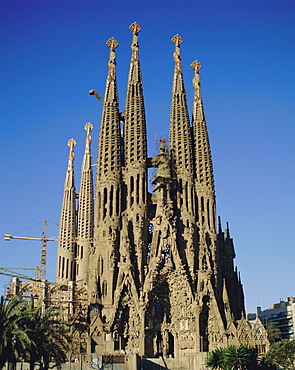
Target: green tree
241 357
282 354
48 333
215 359
273 333
14 340
236 358
263 365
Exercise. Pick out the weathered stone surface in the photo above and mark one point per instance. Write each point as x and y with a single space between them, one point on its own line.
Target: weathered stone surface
149 273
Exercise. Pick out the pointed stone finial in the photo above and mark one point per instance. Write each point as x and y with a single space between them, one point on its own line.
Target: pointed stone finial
88 127
227 234
177 40
196 66
113 44
71 143
219 225
135 28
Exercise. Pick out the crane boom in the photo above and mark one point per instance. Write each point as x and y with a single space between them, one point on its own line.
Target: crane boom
44 240
8 237
8 272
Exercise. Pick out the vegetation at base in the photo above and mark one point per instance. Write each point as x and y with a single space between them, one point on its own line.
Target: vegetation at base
282 354
31 333
273 333
240 357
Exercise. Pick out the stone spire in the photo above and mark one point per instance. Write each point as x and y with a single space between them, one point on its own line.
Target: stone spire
180 134
182 166
209 262
85 213
135 156
135 144
67 227
133 232
108 160
203 159
109 150
108 191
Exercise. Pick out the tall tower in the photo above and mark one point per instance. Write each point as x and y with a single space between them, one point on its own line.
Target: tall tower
159 279
204 179
134 171
85 214
68 225
182 165
102 275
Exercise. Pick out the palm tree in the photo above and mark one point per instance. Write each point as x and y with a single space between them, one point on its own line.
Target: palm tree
48 333
215 359
241 357
14 340
53 337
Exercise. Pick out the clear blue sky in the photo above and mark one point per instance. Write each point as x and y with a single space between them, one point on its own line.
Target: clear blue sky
53 52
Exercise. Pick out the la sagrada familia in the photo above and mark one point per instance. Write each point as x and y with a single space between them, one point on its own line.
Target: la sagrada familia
149 273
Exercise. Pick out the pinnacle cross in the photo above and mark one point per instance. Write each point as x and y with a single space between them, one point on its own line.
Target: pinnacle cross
196 66
71 143
135 28
177 40
88 127
113 44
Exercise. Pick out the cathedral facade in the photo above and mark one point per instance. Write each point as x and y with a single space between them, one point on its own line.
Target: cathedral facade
150 273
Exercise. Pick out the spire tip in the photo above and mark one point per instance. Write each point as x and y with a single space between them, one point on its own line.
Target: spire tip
88 126
196 65
177 40
112 43
135 28
72 143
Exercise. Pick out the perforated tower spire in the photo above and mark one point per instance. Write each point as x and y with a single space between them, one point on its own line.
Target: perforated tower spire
182 164
67 227
135 144
85 213
109 159
207 256
202 157
135 156
108 191
180 135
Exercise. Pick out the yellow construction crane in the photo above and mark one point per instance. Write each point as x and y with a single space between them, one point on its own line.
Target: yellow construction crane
8 271
44 240
36 288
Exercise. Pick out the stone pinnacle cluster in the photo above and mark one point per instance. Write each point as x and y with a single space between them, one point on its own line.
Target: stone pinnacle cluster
149 272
